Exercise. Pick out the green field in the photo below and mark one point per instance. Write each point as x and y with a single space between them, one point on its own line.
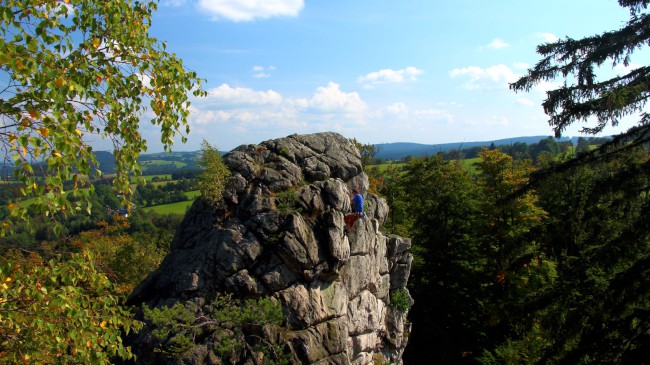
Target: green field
178 164
469 164
175 208
193 194
160 176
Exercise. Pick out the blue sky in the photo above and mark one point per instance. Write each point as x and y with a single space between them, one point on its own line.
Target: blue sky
380 71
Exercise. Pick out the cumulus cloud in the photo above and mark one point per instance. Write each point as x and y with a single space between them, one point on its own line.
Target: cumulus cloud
497 43
330 99
245 109
248 10
489 78
388 76
546 37
228 96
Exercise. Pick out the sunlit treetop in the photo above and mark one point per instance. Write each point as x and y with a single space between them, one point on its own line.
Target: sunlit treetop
77 71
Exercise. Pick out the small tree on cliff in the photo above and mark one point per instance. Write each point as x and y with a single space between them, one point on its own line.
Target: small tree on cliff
213 180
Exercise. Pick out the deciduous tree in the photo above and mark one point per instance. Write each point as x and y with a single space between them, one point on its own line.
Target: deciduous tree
75 71
212 181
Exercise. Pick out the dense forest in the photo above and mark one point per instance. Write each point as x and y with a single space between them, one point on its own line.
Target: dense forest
523 263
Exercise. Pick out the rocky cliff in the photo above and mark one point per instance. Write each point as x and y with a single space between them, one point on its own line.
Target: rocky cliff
279 232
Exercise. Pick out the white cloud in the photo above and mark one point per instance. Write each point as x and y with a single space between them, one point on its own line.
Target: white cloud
330 99
497 43
244 109
227 96
261 72
546 37
247 10
493 77
387 76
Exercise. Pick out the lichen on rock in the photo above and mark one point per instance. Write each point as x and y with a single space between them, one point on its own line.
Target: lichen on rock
279 232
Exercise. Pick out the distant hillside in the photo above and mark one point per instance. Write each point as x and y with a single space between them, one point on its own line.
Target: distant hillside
394 151
106 161
154 163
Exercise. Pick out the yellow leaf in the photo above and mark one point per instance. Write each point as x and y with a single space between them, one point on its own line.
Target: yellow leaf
103 324
8 280
56 154
4 286
78 132
24 150
88 344
96 42
12 138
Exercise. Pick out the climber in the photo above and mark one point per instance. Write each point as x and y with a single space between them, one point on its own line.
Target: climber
357 209
358 203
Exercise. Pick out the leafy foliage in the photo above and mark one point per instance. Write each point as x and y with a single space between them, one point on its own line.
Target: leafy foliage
367 152
400 300
60 311
80 69
288 202
177 329
212 181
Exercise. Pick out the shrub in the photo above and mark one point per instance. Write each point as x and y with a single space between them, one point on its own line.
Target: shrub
400 300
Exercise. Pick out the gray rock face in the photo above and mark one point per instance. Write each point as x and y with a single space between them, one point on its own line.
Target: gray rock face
280 232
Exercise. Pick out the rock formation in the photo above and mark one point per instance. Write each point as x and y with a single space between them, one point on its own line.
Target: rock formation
279 231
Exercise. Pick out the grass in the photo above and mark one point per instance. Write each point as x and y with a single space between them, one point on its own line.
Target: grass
469 164
178 164
160 176
193 194
173 208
